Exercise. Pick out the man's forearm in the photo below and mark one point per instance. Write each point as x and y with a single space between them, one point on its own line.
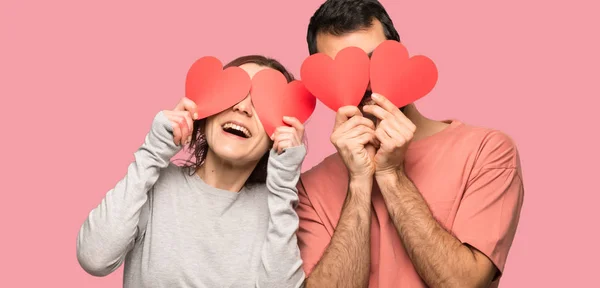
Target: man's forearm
440 259
346 260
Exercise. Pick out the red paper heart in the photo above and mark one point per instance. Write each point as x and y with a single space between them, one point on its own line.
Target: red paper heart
338 82
274 98
401 79
214 89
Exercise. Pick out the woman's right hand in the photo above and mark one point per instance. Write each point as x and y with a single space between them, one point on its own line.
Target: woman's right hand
182 119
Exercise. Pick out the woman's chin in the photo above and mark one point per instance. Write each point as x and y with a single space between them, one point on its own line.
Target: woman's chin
236 157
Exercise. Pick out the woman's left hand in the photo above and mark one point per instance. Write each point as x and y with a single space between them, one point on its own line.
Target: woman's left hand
287 137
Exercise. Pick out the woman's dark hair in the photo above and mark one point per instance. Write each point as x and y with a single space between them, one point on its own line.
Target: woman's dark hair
338 17
198 146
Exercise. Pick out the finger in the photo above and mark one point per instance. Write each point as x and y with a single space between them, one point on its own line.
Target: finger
374 141
378 112
281 133
296 134
398 140
283 144
396 129
284 130
387 105
366 138
355 133
180 126
176 133
345 113
354 122
186 104
394 133
399 120
402 119
188 118
294 122
384 103
360 129
408 124
291 140
185 131
384 139
363 134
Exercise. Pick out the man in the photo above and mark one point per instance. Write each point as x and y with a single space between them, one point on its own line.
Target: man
406 201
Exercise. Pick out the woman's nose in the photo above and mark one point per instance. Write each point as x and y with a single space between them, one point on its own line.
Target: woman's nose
244 106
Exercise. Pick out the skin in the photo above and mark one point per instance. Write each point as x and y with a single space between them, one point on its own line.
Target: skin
231 159
376 153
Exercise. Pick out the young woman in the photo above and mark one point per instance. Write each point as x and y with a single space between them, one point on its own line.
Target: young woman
226 220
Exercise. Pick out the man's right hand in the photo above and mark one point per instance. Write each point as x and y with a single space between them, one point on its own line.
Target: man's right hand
354 138
182 118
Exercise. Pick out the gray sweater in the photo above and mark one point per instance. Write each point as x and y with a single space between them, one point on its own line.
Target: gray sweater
173 230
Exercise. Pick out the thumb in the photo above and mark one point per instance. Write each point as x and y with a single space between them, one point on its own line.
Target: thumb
371 150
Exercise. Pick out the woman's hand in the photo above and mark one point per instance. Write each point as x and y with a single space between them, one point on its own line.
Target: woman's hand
182 118
287 137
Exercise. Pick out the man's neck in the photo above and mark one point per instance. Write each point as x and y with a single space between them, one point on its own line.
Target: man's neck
223 175
425 127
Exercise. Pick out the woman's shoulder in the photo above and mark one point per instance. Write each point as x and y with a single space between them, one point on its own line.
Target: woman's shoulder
172 173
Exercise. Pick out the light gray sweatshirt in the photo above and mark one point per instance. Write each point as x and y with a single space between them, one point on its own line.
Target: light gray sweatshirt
173 230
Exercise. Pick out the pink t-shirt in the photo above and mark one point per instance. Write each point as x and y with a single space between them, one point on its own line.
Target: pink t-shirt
469 176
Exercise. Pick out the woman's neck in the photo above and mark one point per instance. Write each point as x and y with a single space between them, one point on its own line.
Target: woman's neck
223 175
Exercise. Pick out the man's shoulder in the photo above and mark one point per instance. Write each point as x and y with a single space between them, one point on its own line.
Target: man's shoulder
324 188
491 146
328 176
329 166
330 161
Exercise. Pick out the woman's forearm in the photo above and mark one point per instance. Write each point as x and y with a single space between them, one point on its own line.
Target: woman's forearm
281 264
110 229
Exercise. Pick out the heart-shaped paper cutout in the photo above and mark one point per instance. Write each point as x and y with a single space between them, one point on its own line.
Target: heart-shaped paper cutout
214 89
400 79
274 98
337 82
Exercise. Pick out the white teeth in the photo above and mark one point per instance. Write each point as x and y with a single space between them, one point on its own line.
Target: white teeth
230 125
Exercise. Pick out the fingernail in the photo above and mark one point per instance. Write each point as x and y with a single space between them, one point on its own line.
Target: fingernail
195 116
375 96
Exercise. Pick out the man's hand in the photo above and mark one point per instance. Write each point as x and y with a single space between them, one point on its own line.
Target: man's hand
353 136
347 258
394 132
182 118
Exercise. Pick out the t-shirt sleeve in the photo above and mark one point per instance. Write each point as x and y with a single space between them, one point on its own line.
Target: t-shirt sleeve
489 212
313 236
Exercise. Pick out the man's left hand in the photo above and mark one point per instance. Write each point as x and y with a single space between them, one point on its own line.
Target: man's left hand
394 132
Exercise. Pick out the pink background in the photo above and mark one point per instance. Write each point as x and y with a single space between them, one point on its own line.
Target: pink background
81 82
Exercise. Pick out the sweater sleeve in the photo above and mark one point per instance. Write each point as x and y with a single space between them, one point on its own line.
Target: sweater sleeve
281 264
110 230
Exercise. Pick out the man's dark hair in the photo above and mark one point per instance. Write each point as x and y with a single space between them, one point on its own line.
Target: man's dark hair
338 17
